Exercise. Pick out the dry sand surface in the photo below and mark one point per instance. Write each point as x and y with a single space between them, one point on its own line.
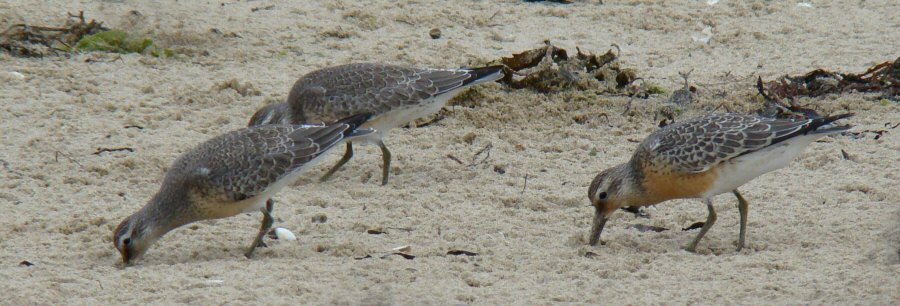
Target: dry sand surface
822 231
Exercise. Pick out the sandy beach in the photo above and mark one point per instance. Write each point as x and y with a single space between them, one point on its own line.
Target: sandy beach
824 230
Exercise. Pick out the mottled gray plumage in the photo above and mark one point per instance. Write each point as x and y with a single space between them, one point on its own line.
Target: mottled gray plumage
233 173
698 145
241 164
339 91
394 95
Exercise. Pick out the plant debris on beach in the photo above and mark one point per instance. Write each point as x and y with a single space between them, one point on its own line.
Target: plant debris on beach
77 35
551 69
882 78
25 40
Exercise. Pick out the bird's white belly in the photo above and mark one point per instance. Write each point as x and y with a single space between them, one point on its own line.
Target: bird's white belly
738 171
384 122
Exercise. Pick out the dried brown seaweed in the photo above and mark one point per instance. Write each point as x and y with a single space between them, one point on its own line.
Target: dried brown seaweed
25 40
531 58
882 78
551 69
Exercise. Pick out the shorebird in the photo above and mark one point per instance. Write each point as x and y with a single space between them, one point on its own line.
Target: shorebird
702 158
230 174
394 95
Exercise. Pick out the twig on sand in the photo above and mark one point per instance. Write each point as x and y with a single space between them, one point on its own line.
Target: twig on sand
450 156
10 169
475 160
436 119
722 105
486 150
405 229
58 153
101 150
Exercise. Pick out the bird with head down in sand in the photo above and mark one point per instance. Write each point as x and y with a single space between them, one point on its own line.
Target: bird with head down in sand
702 158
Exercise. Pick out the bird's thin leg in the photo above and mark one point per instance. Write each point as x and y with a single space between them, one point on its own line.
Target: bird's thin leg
710 220
742 208
347 155
263 229
386 163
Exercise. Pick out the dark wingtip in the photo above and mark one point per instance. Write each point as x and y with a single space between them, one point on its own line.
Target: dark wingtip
488 73
834 118
823 125
355 121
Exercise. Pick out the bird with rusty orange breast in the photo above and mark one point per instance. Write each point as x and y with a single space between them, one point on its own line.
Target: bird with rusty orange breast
701 158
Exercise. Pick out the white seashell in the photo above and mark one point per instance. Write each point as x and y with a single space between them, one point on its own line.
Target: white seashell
804 4
284 234
707 35
11 76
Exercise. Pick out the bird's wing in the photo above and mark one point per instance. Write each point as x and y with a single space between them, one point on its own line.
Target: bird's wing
241 164
698 145
375 88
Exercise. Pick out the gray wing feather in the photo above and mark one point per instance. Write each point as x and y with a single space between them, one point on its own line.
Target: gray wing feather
698 145
437 82
243 163
370 88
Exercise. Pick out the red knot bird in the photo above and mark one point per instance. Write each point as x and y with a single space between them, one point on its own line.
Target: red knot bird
702 158
394 95
230 174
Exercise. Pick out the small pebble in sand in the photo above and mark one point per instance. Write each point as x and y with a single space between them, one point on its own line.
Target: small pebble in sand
15 75
435 33
284 234
707 35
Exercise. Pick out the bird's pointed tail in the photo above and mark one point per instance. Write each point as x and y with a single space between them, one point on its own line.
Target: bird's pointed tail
826 125
484 75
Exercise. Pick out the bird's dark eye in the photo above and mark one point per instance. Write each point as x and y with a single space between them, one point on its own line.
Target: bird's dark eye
602 195
126 241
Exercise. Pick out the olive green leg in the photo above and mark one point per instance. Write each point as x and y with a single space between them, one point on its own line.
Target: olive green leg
710 220
742 208
386 160
263 229
347 155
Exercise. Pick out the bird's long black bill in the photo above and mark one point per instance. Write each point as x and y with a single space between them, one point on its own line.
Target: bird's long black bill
597 227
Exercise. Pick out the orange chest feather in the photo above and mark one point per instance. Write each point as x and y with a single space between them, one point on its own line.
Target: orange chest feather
662 184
